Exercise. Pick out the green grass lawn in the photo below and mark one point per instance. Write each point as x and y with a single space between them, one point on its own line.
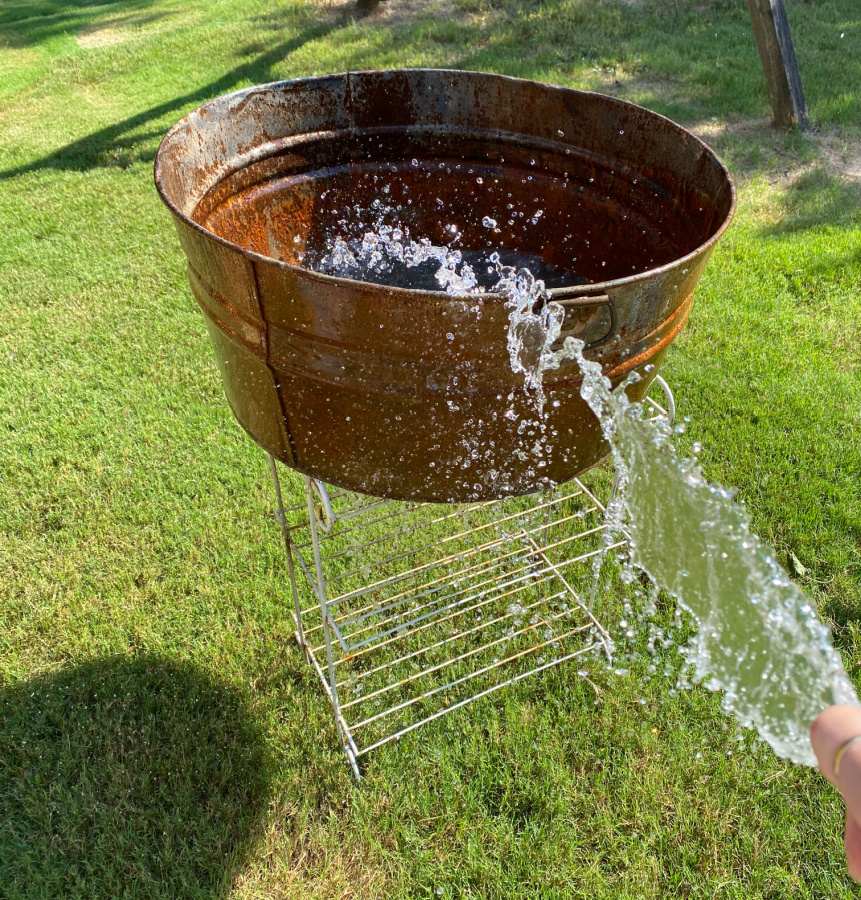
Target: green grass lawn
160 735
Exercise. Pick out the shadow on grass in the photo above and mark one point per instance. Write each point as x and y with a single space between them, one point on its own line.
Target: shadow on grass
560 36
818 198
127 778
120 143
680 60
27 23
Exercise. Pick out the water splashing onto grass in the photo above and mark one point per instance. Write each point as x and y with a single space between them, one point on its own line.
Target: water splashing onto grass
759 639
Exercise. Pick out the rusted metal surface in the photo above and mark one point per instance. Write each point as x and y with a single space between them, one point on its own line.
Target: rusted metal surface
404 393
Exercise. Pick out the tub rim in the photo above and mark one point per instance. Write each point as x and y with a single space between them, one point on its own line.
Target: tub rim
598 287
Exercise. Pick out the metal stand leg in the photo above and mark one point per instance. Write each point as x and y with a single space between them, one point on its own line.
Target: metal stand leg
670 411
598 563
288 545
328 624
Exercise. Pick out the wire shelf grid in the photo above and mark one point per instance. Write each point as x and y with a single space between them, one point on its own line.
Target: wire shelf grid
417 609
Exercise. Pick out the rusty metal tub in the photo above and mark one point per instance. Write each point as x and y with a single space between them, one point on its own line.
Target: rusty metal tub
409 393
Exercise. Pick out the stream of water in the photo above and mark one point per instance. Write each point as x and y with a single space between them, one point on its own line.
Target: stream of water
758 640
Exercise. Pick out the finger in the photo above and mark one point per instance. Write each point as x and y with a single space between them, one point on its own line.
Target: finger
853 848
829 731
849 782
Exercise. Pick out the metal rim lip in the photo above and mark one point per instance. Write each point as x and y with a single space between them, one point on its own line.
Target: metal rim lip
353 284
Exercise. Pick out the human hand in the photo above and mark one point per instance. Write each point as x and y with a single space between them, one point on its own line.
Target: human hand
832 735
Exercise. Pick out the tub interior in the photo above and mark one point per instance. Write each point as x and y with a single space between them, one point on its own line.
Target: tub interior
572 215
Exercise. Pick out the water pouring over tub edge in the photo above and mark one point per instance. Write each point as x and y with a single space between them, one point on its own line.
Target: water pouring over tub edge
359 384
758 638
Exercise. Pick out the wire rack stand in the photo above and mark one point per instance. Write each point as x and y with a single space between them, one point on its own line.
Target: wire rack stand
419 609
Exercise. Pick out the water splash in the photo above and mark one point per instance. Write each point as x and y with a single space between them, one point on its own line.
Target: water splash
759 639
388 248
535 321
534 324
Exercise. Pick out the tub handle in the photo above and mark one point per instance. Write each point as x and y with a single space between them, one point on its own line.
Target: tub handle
574 304
326 517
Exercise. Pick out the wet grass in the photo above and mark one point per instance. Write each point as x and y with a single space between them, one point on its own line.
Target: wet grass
159 733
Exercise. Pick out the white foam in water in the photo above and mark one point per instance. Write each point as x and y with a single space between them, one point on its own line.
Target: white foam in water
535 322
388 244
758 639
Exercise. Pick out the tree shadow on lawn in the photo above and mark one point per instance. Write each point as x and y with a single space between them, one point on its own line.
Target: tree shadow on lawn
120 143
134 138
818 198
127 777
25 23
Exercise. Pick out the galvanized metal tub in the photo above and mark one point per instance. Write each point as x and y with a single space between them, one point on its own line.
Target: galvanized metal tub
406 393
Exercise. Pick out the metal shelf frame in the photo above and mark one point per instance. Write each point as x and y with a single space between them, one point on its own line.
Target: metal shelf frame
418 610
